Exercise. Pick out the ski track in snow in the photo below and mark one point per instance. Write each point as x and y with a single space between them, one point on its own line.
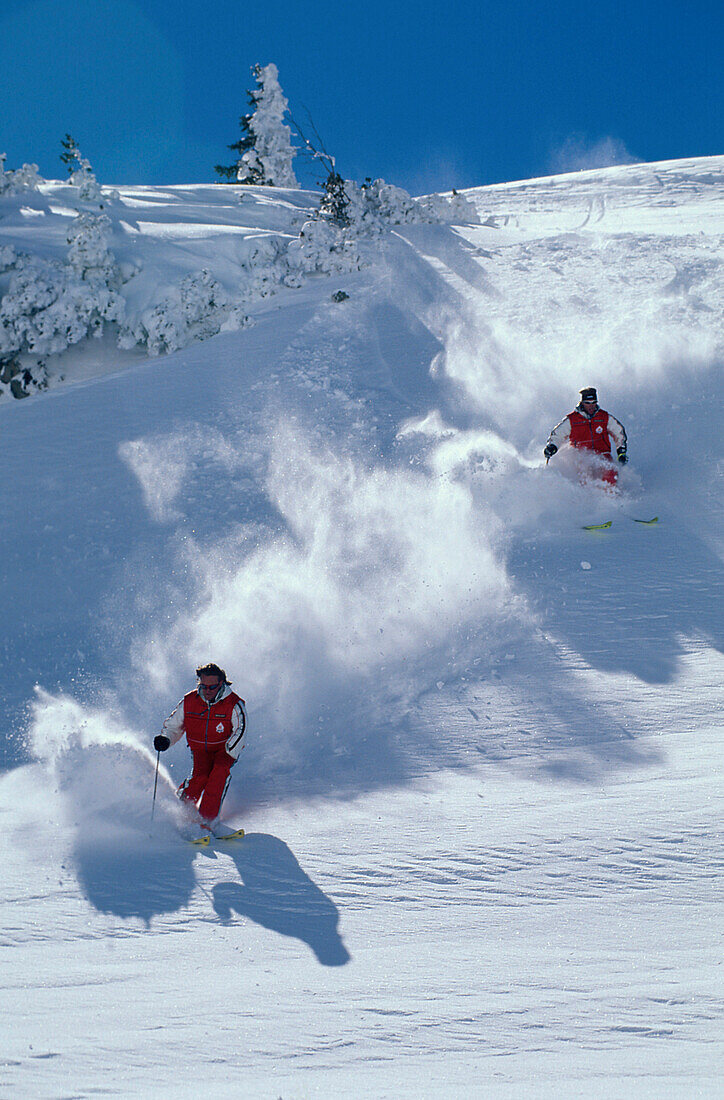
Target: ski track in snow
482 788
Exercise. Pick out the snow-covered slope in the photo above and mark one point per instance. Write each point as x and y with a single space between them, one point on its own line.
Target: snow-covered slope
481 784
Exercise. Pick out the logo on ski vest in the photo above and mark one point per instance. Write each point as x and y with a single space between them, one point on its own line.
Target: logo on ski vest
599 429
220 727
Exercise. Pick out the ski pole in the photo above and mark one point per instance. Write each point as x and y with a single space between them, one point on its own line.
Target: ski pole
155 784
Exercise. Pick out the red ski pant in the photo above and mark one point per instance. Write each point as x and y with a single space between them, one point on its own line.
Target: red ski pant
208 781
600 468
609 474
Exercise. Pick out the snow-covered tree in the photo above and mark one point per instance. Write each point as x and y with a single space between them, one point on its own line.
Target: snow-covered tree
335 202
80 171
22 179
265 147
48 306
368 210
197 308
454 208
89 254
322 248
71 153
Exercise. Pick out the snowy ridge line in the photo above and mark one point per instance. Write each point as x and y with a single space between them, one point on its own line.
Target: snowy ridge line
162 285
687 177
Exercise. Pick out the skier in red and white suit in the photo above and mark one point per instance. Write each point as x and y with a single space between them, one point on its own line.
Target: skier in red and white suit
213 717
591 428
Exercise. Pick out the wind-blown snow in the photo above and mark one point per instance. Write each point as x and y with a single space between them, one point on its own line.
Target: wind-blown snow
482 781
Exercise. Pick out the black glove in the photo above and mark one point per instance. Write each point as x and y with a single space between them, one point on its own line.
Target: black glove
161 742
549 450
622 456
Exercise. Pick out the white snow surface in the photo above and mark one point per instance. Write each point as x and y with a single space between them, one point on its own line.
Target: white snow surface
482 785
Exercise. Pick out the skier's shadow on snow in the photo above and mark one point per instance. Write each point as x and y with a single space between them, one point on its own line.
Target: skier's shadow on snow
135 880
276 893
647 590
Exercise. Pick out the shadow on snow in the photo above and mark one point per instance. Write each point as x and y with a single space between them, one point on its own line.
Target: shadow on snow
273 891
276 893
647 590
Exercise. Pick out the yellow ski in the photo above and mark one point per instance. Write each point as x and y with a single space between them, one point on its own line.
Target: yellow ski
236 835
204 841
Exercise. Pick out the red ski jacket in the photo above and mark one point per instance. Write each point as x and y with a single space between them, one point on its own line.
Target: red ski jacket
592 433
219 725
208 727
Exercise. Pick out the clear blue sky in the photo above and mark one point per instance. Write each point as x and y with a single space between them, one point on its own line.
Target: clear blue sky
426 95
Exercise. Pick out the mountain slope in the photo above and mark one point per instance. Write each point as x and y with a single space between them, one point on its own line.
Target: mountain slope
480 784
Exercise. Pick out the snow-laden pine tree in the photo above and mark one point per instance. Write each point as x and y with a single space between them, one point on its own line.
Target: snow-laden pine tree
80 173
265 147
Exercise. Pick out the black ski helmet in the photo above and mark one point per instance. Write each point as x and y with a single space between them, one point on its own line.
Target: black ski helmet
588 393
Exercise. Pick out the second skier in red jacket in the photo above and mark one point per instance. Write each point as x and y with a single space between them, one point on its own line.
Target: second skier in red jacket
591 428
